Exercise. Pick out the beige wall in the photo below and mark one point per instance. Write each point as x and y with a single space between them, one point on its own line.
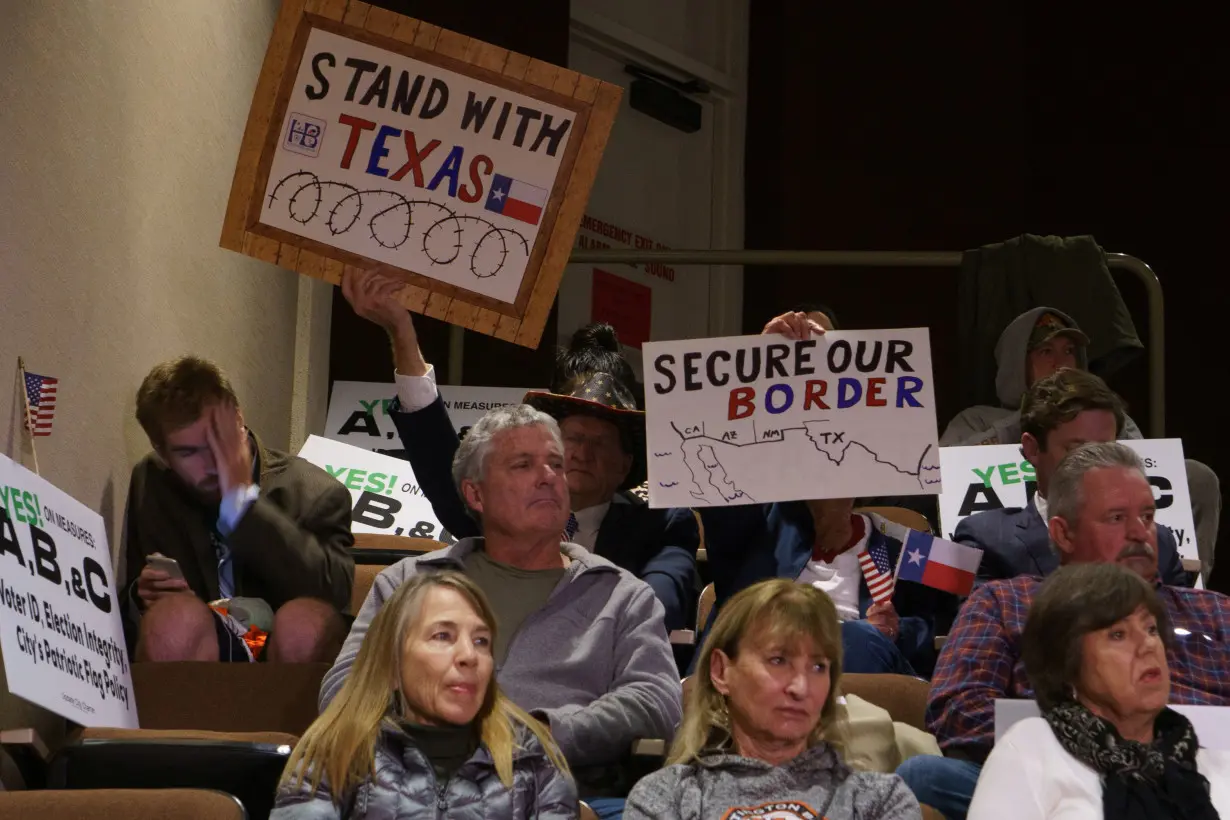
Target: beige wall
120 125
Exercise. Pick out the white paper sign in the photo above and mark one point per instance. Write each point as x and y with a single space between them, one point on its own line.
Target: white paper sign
385 496
60 627
748 419
359 412
993 476
414 165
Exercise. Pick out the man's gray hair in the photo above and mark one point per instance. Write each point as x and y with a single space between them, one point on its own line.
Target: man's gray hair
1064 497
470 460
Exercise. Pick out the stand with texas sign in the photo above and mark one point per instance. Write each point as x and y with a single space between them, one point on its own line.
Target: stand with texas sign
379 141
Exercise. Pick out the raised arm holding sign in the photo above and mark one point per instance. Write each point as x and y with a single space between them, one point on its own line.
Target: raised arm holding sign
603 448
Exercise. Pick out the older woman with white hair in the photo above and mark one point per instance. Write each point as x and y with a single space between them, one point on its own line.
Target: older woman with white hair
1107 745
760 735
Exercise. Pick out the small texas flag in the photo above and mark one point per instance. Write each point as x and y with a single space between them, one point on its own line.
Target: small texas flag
520 200
938 563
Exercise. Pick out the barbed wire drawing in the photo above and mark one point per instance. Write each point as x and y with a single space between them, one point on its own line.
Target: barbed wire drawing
446 236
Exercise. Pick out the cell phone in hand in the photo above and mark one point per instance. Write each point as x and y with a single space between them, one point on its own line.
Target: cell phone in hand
164 564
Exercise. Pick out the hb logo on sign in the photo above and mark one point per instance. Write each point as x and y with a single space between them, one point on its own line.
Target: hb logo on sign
304 135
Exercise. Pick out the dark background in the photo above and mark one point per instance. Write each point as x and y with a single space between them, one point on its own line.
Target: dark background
919 129
877 127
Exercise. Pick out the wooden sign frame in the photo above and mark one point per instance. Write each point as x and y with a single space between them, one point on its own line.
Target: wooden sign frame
594 103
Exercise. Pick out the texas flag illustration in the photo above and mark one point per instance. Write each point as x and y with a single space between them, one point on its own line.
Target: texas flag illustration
520 200
938 563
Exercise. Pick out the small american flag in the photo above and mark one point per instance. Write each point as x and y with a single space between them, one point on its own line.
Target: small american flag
877 570
41 392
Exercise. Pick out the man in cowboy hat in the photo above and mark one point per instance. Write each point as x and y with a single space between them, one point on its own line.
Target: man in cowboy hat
604 450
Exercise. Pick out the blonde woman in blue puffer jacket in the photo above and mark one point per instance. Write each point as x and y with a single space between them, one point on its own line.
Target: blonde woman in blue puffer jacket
420 728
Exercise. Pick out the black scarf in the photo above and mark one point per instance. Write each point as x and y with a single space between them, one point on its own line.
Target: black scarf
1142 782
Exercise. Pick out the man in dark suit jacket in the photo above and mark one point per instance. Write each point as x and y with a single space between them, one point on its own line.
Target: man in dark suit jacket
240 522
604 450
1058 414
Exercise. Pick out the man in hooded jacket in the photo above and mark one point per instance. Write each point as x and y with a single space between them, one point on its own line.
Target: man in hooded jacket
1033 346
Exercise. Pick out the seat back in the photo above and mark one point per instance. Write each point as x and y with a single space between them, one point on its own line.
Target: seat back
228 697
902 696
911 519
395 543
707 596
385 549
373 551
131 804
364 577
269 738
587 813
16 713
703 573
248 770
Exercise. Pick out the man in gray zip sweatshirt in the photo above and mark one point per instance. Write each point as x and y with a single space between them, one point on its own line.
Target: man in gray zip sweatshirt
582 644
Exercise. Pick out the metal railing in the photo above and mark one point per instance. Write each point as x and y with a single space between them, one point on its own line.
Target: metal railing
910 259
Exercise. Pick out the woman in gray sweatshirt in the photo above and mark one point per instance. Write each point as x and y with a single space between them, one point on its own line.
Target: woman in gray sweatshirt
760 735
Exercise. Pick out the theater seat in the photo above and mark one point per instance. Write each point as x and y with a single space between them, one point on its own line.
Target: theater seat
247 769
386 548
228 697
373 551
929 813
130 804
268 738
587 813
708 596
364 577
902 696
911 519
388 541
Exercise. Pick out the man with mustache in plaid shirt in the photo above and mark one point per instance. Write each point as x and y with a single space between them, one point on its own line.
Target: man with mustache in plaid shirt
1101 510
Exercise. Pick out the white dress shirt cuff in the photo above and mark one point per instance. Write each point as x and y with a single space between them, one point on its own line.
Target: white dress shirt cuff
416 392
234 505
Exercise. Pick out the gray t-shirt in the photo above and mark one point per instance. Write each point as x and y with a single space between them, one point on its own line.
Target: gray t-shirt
514 594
